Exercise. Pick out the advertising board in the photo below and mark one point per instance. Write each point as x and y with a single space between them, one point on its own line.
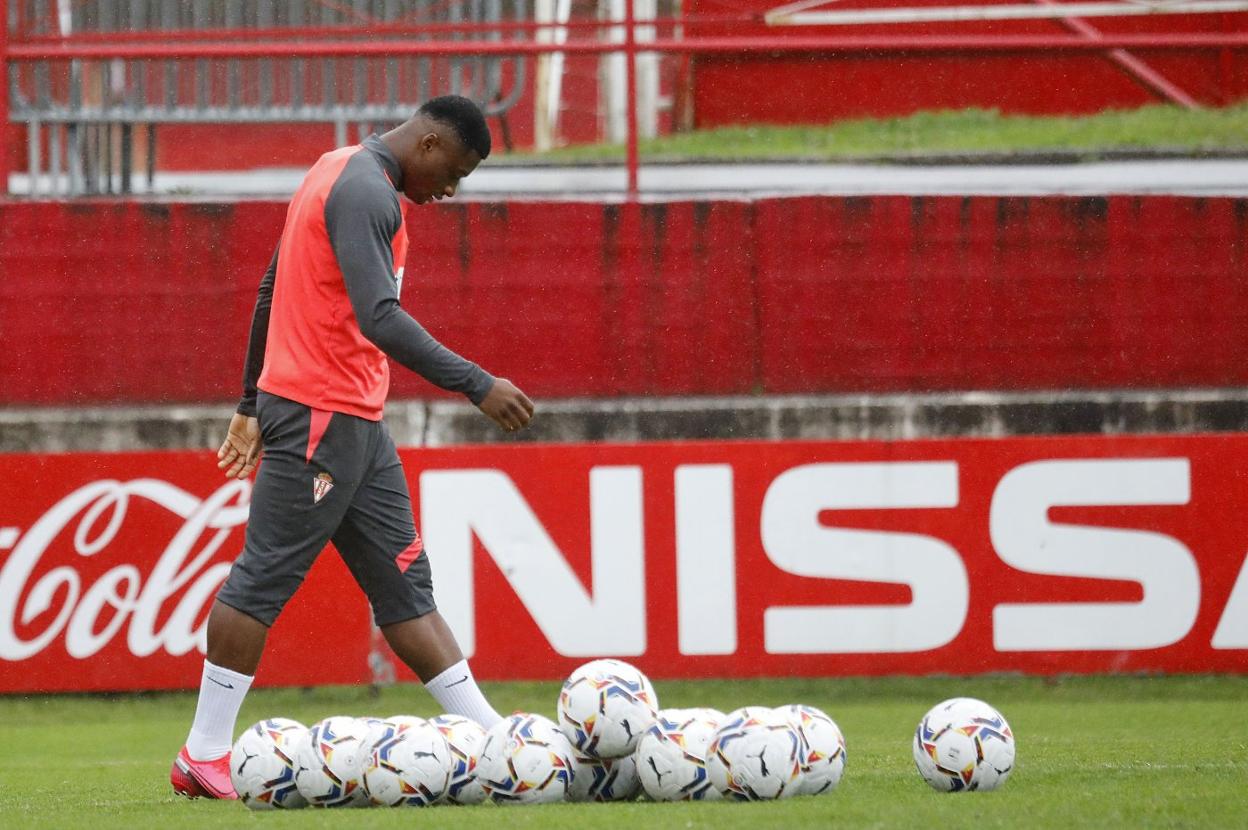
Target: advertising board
716 559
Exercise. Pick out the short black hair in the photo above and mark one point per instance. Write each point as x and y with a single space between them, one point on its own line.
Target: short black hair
463 116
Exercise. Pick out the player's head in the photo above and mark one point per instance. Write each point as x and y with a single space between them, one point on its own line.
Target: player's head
446 139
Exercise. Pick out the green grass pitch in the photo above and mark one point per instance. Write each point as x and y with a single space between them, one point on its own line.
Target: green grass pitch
1092 752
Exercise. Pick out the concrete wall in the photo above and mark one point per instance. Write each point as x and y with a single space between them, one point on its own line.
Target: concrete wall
867 417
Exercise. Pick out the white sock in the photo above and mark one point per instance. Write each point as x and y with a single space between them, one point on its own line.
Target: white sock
221 693
456 691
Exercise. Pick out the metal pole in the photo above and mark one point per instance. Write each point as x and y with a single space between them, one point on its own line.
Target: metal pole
1135 67
6 132
731 45
336 33
682 115
1225 66
151 157
127 155
630 81
32 154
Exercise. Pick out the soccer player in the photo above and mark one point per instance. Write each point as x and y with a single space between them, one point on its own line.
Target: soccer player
315 380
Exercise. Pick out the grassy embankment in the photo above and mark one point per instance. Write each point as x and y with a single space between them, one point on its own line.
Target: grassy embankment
1166 129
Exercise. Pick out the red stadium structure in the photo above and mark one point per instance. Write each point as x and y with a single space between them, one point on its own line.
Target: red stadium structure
726 559
724 62
811 295
736 557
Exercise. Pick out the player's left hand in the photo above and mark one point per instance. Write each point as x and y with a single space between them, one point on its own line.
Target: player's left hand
507 406
240 452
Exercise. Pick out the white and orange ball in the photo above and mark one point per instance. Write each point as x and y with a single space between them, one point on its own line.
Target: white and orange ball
465 738
604 708
262 764
823 748
963 744
409 767
671 756
755 756
525 760
332 761
604 779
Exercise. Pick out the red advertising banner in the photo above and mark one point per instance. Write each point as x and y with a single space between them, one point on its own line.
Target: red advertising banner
1039 555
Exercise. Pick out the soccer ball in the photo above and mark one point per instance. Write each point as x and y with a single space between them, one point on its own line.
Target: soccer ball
262 764
746 712
405 721
332 761
602 779
604 708
411 766
464 738
378 729
671 756
705 712
823 748
756 757
964 744
525 760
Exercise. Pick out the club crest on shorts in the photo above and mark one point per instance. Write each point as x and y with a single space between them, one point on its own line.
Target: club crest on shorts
321 485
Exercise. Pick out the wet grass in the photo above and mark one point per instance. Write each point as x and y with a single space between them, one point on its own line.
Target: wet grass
1168 129
1092 752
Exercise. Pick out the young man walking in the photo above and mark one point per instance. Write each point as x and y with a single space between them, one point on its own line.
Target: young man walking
315 381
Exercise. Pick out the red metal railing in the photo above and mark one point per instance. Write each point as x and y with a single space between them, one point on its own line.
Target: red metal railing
5 130
304 33
69 49
630 84
347 42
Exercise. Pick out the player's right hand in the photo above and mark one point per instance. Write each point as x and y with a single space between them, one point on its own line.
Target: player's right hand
240 452
507 406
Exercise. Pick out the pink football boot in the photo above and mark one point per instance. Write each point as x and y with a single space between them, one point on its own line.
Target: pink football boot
201 779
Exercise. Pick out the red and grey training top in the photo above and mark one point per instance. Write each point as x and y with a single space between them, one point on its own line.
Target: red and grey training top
327 313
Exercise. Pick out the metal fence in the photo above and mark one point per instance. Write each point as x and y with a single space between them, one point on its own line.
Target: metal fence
83 94
82 115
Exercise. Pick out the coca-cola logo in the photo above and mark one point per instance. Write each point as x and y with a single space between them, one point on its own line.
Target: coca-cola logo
127 596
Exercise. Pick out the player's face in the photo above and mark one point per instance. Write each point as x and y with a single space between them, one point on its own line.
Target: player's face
442 161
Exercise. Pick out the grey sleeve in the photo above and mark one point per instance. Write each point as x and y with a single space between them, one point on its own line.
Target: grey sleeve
257 340
362 216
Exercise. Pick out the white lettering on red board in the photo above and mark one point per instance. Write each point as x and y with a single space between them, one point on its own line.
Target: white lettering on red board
457 505
796 542
1026 540
706 551
460 505
155 607
136 599
1232 630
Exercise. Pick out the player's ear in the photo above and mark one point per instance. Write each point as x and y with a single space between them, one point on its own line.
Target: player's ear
428 141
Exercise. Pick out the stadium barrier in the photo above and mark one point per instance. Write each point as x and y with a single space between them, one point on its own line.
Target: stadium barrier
902 417
819 88
725 559
739 53
809 295
88 117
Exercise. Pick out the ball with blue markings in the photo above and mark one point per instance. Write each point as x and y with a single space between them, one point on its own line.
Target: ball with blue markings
963 745
525 760
604 708
263 766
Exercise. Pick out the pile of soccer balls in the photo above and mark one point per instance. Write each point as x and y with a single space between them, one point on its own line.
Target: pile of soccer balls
612 742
